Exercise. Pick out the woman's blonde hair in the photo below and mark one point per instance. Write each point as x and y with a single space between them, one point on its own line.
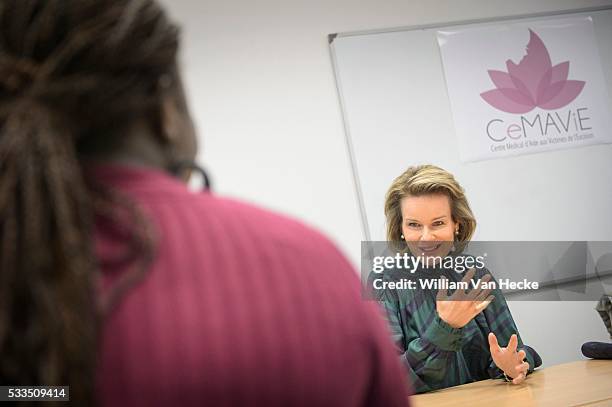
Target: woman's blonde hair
424 180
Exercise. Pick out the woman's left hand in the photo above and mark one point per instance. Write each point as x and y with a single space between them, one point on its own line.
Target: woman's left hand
508 359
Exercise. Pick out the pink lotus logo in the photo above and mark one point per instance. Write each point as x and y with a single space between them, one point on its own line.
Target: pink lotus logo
534 82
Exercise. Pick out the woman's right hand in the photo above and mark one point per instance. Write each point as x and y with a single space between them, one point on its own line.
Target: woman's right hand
463 305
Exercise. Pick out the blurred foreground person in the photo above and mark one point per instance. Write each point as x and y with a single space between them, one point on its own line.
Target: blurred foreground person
118 281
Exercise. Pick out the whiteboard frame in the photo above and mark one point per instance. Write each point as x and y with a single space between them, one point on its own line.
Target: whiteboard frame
447 24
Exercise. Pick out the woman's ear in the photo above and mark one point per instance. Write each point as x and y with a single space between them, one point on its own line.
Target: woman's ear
176 129
177 132
170 121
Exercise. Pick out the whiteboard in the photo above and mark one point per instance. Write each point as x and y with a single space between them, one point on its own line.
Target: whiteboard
396 114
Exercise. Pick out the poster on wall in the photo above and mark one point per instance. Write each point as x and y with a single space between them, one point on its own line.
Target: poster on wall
527 87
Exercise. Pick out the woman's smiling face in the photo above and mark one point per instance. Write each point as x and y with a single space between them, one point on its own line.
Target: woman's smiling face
427 224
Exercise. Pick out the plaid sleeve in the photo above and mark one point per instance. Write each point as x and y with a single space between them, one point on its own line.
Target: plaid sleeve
604 308
427 357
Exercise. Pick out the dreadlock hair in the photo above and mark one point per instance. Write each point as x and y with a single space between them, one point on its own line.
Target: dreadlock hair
73 75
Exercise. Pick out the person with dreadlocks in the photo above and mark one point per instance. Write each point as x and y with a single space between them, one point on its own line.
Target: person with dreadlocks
118 281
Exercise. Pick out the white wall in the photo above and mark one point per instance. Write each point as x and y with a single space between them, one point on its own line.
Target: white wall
262 91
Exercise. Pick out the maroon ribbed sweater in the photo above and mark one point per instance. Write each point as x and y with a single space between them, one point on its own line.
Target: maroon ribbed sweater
240 307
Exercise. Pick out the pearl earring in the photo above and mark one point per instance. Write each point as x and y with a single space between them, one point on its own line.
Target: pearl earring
402 236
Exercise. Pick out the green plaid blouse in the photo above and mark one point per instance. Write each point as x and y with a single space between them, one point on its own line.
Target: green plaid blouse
437 355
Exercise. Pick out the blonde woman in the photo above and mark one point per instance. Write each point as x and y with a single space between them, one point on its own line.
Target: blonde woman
447 341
